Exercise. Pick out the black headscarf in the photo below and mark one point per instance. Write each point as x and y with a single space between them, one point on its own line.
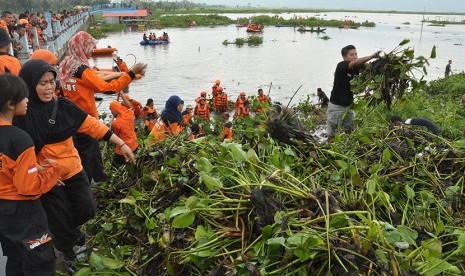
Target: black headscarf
171 114
69 117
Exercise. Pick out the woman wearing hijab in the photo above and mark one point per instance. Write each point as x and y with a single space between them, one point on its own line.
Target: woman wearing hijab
22 219
170 121
52 122
78 82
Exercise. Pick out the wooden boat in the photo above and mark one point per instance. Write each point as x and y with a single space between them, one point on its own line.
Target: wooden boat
154 42
304 29
254 28
103 51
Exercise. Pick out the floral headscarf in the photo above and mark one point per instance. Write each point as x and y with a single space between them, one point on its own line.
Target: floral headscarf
80 46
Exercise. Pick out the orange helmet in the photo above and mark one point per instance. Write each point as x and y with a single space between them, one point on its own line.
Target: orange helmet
202 99
203 93
242 93
218 82
219 88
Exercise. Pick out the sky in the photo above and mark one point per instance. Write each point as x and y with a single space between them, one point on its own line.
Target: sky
399 5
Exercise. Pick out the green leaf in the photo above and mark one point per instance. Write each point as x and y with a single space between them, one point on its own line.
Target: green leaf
184 220
84 272
433 52
409 191
203 253
178 210
237 153
107 226
436 266
403 42
386 155
204 165
191 202
252 156
382 255
128 200
433 248
212 183
297 239
150 223
277 240
112 263
305 254
200 232
371 186
96 260
342 164
408 235
289 151
136 194
267 231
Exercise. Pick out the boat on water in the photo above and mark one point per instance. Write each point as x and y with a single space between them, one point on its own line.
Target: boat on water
304 29
154 42
103 51
254 28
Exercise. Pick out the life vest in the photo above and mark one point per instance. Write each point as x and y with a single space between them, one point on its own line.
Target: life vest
227 134
186 118
242 112
202 112
161 131
221 102
239 102
263 100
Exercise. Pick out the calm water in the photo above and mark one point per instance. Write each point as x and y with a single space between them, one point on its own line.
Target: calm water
196 56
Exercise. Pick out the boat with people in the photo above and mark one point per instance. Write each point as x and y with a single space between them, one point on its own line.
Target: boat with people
154 42
104 51
312 30
254 28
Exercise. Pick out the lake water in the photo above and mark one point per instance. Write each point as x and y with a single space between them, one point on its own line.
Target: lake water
287 58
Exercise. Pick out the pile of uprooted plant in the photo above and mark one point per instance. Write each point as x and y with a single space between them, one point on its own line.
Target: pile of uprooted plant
384 200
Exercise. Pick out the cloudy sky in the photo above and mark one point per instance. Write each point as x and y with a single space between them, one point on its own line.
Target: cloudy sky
400 5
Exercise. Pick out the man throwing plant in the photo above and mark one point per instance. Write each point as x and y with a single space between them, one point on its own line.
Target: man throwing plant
339 112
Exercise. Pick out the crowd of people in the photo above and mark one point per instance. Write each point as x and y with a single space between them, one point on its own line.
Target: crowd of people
153 37
50 133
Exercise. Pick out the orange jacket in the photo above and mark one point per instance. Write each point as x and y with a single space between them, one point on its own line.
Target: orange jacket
160 131
123 127
19 175
239 102
221 102
242 112
66 154
9 64
149 124
202 112
80 89
137 107
148 109
186 119
123 67
227 134
262 100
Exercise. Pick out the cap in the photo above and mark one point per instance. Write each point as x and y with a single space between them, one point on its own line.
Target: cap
4 37
219 88
202 99
45 55
23 21
189 106
242 93
218 82
203 92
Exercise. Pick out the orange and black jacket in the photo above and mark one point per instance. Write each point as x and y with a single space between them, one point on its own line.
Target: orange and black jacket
9 64
202 112
19 175
162 130
221 101
123 67
123 127
242 112
227 134
239 102
186 118
80 89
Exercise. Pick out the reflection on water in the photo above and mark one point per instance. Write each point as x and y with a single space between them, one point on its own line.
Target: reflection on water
287 59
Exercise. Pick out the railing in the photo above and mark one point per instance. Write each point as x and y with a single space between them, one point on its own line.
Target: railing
57 33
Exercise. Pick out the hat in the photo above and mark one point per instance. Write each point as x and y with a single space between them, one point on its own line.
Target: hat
242 93
219 88
23 21
5 38
203 92
116 106
189 106
218 82
45 55
202 99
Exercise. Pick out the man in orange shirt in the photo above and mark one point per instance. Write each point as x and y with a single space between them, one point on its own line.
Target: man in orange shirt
6 22
8 63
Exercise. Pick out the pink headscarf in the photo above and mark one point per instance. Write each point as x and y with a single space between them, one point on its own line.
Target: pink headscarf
80 46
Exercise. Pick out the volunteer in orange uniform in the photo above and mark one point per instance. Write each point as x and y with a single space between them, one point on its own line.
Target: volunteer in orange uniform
79 82
240 100
150 108
8 63
215 88
243 111
24 233
170 121
52 122
227 132
220 102
150 121
203 94
123 127
187 116
263 100
202 110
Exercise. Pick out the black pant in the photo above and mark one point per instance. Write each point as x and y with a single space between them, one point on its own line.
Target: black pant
91 158
25 238
67 208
